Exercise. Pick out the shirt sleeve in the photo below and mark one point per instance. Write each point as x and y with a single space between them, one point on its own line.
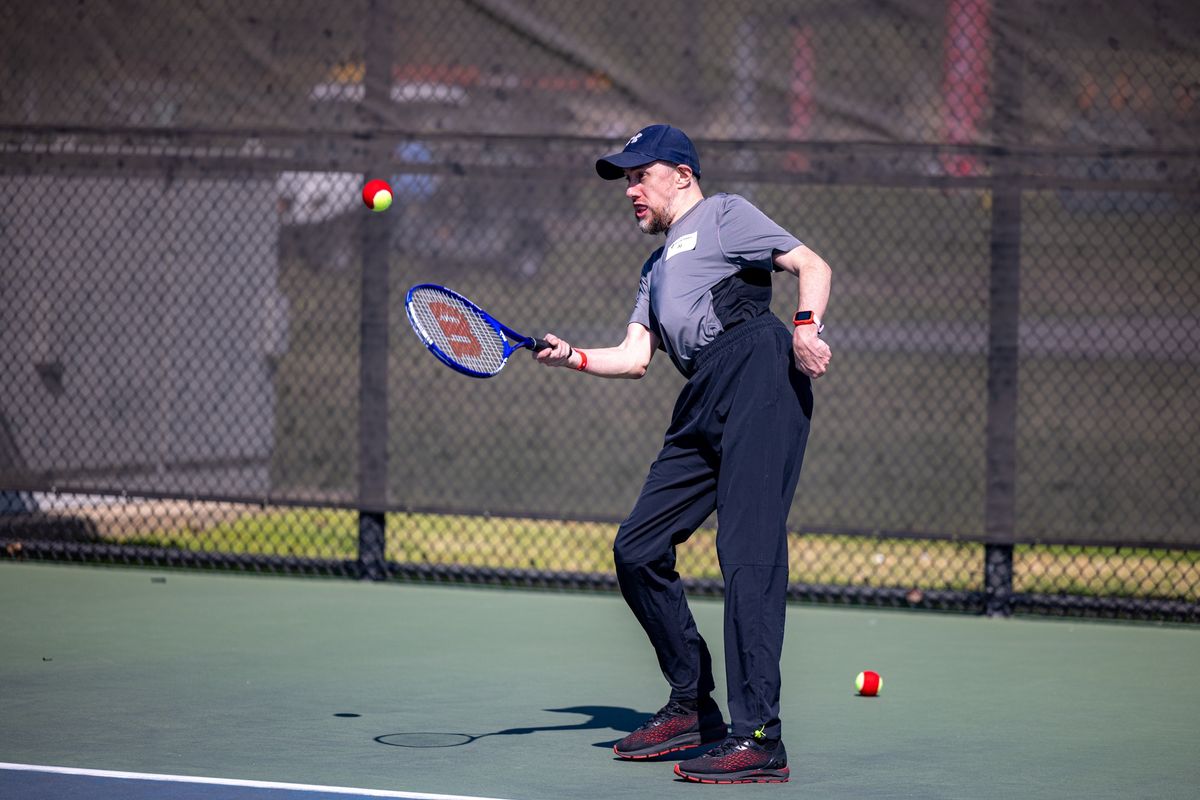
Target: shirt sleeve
748 237
641 306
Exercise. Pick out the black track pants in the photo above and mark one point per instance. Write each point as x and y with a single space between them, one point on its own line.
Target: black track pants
735 445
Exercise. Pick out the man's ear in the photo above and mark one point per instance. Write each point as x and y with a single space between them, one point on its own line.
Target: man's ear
683 175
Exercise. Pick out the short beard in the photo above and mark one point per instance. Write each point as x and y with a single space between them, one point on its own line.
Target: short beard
655 222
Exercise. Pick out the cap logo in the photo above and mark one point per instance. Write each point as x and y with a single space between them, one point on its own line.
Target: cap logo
634 139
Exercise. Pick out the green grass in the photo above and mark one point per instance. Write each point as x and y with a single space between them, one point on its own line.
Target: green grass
514 543
326 534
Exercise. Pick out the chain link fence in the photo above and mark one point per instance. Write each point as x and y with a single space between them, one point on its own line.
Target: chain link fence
206 362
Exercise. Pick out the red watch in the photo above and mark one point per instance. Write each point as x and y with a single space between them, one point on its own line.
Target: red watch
808 318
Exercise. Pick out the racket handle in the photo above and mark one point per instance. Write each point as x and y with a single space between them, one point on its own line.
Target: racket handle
541 344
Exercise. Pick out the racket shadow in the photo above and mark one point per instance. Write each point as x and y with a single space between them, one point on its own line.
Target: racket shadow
622 720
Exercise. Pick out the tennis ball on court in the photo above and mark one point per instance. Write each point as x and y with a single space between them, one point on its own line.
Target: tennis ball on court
377 195
868 683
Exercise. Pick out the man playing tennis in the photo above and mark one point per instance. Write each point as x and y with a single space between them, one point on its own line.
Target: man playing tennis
735 445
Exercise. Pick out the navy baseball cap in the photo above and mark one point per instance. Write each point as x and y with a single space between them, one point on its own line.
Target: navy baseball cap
652 143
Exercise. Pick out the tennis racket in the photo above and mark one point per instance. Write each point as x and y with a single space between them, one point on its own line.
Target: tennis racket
461 334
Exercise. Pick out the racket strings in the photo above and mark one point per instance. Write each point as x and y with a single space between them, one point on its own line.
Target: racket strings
457 330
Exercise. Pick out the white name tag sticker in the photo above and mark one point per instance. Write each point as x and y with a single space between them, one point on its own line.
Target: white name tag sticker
681 245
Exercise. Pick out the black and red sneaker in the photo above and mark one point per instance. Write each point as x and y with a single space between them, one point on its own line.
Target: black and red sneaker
738 759
677 726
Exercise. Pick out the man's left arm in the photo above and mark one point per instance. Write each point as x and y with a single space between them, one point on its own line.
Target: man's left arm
813 280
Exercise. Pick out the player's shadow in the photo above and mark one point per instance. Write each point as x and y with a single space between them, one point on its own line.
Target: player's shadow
622 720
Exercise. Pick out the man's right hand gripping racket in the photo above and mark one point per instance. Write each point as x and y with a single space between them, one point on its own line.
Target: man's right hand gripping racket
462 335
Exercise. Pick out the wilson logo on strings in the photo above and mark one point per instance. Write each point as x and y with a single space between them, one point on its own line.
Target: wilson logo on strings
457 330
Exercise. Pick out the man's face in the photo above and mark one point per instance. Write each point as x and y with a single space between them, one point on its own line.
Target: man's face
651 188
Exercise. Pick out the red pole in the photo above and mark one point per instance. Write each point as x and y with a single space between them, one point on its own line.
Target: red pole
800 111
965 81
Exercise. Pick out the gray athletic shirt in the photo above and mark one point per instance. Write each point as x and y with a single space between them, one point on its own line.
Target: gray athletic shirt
713 272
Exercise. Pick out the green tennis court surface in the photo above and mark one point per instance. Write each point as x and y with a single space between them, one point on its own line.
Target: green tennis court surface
520 695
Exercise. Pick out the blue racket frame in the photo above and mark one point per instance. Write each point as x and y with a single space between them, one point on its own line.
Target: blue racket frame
503 332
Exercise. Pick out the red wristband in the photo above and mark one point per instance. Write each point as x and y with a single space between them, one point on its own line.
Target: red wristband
582 360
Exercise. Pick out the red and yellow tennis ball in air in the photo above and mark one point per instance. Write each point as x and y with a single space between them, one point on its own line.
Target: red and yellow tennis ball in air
868 683
377 195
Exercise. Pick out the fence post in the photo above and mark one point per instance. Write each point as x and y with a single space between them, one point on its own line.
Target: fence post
998 579
1002 370
1004 295
374 304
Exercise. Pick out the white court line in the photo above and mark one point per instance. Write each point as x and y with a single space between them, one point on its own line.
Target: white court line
294 787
